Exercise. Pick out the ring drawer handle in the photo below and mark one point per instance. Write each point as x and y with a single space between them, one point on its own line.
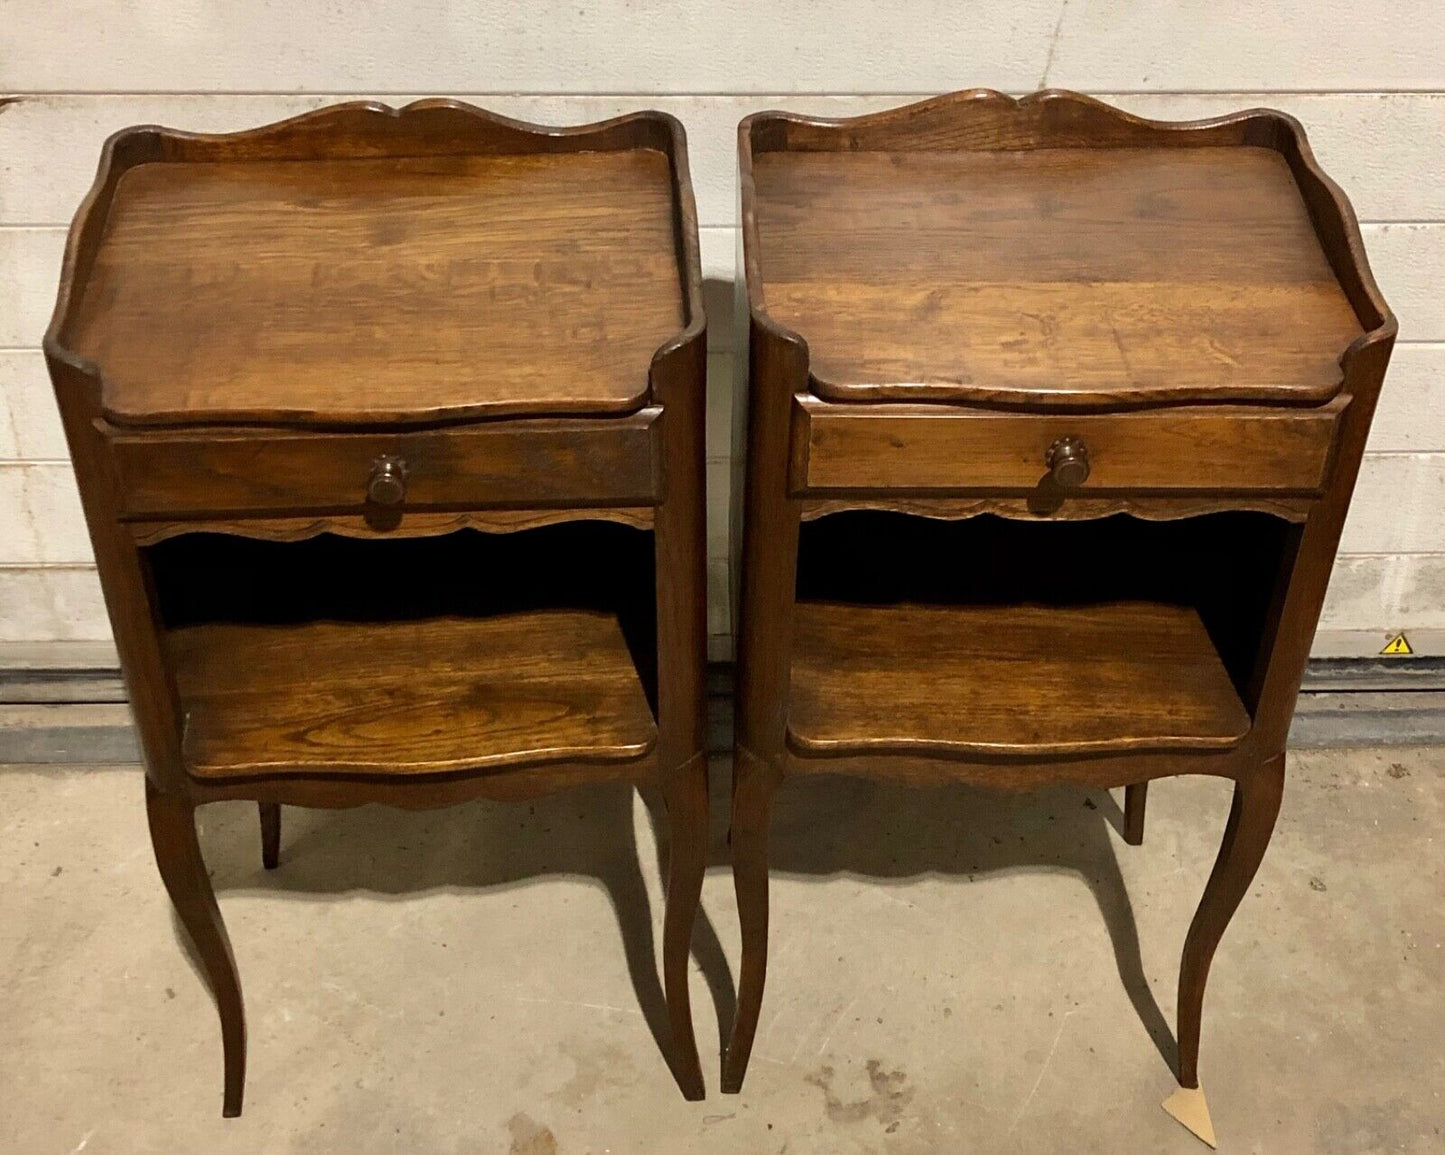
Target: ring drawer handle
387 484
1068 462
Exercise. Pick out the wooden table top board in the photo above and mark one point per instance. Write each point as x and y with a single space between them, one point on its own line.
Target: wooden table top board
1065 276
363 290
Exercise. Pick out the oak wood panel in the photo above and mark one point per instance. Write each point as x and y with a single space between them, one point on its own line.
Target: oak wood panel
335 791
408 525
1011 772
360 290
542 461
1147 507
1185 448
406 698
1016 679
1060 276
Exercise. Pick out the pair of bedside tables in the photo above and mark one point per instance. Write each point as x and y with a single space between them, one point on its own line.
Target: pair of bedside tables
389 431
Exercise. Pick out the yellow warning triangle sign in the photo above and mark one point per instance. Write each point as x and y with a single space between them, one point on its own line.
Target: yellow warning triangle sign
1397 647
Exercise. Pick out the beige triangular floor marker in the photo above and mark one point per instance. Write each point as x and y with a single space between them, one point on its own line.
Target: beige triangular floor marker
1188 1105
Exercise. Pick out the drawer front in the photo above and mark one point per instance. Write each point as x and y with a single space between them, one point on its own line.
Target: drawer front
509 463
1225 449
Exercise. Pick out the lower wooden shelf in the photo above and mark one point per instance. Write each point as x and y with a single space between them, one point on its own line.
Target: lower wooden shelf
1007 680
408 697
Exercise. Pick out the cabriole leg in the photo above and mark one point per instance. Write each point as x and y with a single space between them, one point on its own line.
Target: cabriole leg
270 834
183 870
753 787
1134 798
685 797
1251 821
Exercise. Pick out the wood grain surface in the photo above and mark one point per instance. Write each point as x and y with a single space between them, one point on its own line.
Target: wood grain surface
1198 449
408 698
1013 679
1057 276
391 289
409 524
533 462
1146 507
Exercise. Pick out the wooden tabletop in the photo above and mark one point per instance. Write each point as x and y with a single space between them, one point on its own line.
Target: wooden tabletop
367 290
1061 275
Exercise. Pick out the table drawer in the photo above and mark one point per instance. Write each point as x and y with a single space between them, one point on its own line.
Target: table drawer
586 462
1227 449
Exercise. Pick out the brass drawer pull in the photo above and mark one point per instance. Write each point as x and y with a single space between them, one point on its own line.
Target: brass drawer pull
387 485
1068 462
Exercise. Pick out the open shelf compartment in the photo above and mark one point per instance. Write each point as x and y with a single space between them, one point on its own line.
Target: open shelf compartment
410 656
993 637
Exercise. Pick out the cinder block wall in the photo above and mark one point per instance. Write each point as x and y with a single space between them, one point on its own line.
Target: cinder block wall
1369 86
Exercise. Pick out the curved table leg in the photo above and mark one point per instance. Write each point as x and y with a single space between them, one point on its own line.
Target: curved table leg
684 794
270 834
1134 798
1251 821
753 786
183 870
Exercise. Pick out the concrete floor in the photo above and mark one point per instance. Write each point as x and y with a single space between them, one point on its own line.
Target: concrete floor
952 971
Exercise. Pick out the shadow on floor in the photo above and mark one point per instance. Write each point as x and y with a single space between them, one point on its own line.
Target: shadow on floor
482 845
827 826
821 827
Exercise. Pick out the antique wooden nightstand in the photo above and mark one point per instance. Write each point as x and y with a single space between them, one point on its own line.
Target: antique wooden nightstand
389 431
1054 418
